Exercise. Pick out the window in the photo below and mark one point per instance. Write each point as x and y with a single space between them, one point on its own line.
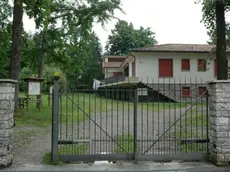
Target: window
165 68
201 90
201 65
186 91
116 73
185 65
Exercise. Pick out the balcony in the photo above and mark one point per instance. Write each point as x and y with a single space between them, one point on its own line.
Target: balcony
120 80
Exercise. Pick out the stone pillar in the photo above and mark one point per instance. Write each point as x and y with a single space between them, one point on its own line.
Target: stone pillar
7 91
219 121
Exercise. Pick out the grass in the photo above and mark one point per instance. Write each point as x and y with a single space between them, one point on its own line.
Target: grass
126 144
73 149
65 149
81 107
193 126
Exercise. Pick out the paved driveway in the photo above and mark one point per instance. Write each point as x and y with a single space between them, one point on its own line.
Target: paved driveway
101 128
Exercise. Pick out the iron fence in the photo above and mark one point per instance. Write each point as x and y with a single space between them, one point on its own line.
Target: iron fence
147 121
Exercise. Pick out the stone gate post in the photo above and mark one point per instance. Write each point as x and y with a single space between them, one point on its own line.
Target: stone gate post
7 91
219 121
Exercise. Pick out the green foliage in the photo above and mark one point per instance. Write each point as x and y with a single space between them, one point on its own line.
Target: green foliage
209 15
125 37
25 73
5 45
213 36
72 46
6 11
49 74
5 37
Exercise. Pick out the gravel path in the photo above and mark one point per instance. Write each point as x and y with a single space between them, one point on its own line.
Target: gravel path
31 143
150 126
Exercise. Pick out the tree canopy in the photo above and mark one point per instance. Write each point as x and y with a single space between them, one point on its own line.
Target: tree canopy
124 37
214 20
209 15
63 38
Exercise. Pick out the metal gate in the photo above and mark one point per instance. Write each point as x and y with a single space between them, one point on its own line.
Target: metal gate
157 122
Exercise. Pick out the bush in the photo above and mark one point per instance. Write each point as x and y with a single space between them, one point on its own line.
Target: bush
48 76
25 73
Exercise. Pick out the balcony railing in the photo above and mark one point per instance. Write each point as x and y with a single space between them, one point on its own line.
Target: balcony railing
120 78
114 79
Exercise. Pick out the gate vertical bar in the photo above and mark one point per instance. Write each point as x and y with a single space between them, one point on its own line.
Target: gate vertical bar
55 119
207 120
135 123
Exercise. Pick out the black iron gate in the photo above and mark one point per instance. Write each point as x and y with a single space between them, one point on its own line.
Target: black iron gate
157 122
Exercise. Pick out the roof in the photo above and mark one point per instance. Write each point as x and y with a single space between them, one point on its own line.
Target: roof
112 64
195 48
114 56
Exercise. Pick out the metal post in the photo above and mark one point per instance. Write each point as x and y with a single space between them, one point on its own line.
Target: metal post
207 120
135 124
55 107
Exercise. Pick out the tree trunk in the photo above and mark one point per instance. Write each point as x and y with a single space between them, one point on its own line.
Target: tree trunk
14 72
42 58
222 64
41 66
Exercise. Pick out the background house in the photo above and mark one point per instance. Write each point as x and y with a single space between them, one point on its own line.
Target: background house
168 67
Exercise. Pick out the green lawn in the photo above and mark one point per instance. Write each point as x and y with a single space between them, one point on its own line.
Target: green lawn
192 126
125 144
78 107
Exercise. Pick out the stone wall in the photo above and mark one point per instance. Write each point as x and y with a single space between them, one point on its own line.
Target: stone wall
219 121
7 91
174 91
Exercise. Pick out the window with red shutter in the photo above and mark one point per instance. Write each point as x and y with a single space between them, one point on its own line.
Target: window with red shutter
116 73
185 65
165 68
201 90
201 65
185 91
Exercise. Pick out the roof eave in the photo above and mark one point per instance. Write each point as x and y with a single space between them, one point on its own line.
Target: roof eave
161 51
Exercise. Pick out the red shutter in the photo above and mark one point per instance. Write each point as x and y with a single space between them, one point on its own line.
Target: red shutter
201 90
116 73
185 64
186 91
215 68
165 68
201 65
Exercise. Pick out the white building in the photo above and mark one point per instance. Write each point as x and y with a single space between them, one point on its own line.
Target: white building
184 65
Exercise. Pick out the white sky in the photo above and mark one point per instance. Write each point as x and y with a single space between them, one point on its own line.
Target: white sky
173 21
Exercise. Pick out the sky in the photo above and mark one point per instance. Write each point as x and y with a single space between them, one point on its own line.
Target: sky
173 21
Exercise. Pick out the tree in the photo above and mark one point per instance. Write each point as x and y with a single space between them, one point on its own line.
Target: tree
14 72
47 13
214 19
72 15
92 67
125 37
5 44
213 37
222 63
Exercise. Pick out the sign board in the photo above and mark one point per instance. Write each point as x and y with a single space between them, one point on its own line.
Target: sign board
142 91
34 88
51 90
